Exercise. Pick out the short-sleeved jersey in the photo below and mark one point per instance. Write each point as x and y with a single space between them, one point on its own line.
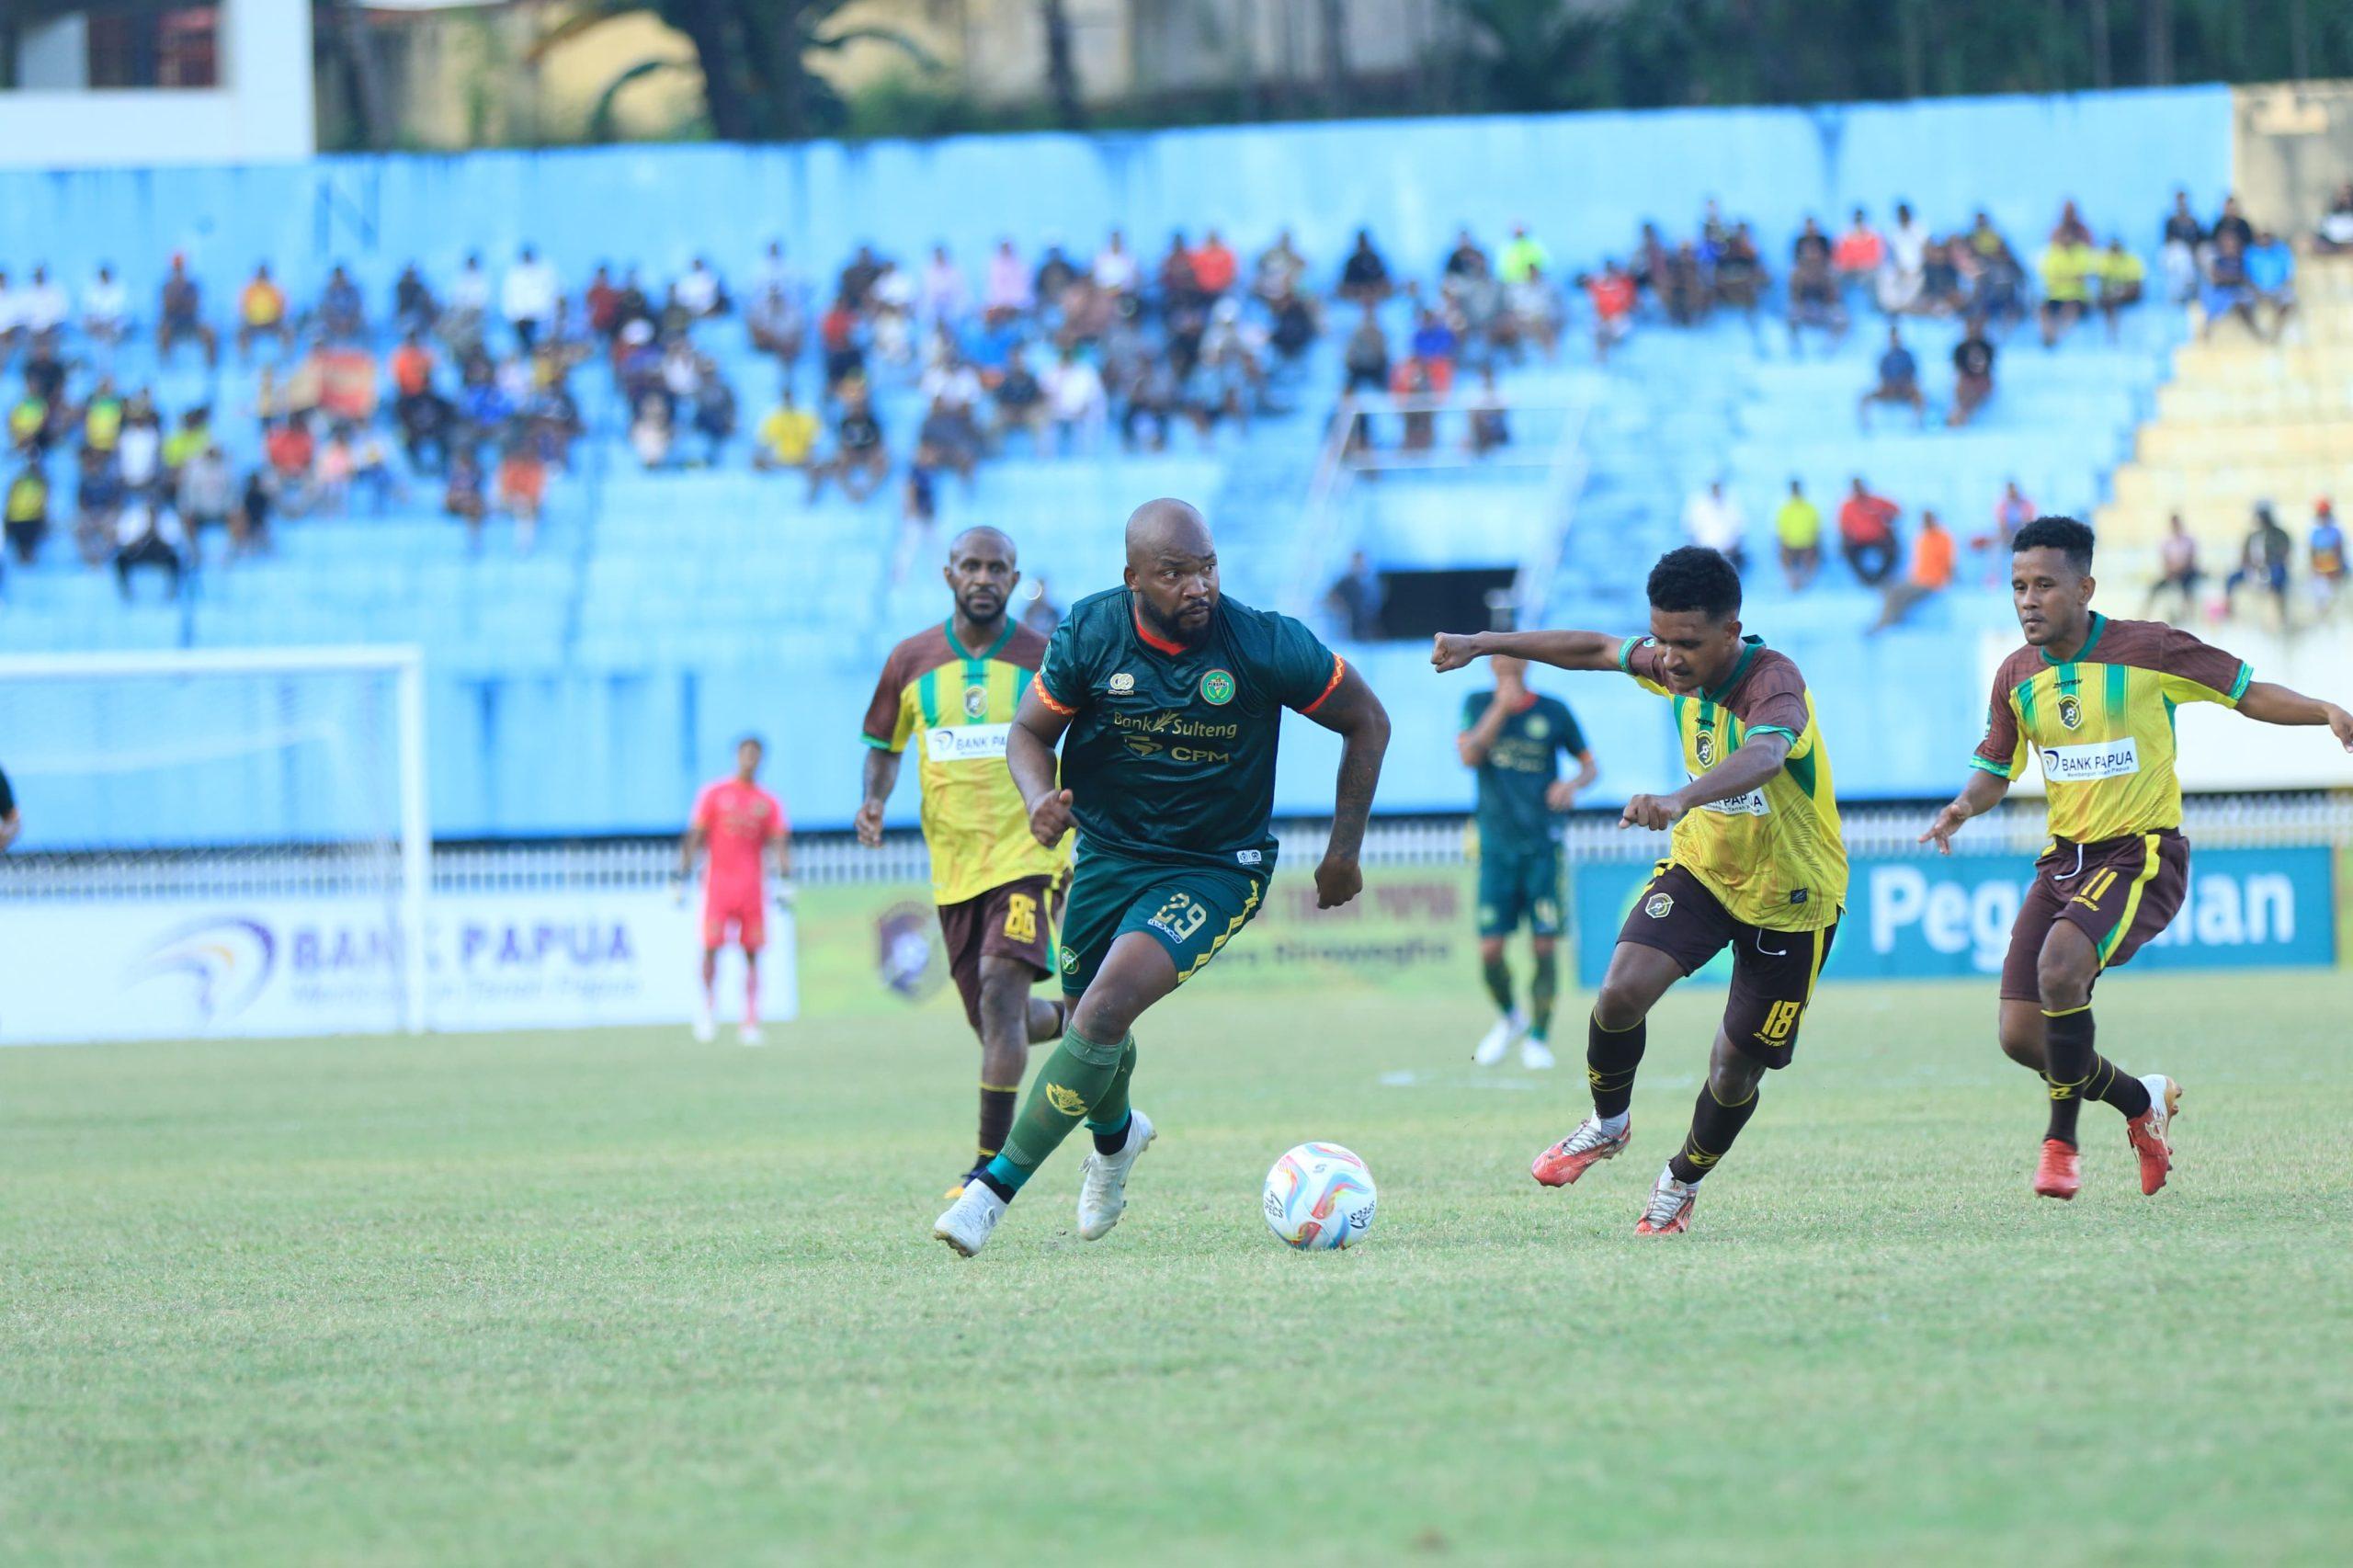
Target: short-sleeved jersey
1170 754
1773 856
1519 768
960 702
2102 724
738 821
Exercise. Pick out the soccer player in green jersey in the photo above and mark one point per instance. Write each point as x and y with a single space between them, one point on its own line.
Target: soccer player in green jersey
1166 700
1515 738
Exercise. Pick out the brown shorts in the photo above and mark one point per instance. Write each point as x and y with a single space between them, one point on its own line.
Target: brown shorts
2117 892
1773 973
1014 921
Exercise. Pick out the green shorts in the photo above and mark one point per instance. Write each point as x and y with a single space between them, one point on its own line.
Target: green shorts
1515 885
1192 911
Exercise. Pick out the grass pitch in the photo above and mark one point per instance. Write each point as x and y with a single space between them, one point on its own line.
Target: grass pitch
620 1297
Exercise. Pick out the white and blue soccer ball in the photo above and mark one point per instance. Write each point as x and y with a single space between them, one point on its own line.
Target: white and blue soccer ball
1319 1197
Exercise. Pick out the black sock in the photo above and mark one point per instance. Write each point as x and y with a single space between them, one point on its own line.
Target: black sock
1713 1127
2113 1086
1610 1058
2067 1058
997 1106
983 1176
1107 1143
1497 974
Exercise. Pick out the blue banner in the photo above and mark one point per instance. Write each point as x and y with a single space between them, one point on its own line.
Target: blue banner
1917 918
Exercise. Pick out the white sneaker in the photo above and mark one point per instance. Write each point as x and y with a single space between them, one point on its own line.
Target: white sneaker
705 1031
1534 1054
748 1034
1497 1042
1103 1181
971 1220
1670 1212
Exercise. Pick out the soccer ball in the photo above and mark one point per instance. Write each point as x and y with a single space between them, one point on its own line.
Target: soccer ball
1319 1198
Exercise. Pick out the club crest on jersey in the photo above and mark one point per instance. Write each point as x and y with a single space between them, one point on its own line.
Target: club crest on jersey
1217 688
1703 746
1538 727
1123 684
2071 712
976 701
1659 905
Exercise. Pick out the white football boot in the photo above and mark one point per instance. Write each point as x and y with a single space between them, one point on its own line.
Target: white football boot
971 1220
747 1034
1103 1181
1497 1043
1670 1212
1535 1055
705 1029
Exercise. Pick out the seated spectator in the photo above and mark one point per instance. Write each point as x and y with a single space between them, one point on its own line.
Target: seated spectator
2232 224
861 458
777 326
331 472
1612 295
1355 600
2120 276
942 295
1008 290
1295 327
1814 291
413 307
1797 528
841 344
1489 422
2334 234
1465 255
1056 273
466 315
29 425
412 366
193 434
787 436
2271 277
1931 573
2227 291
1278 270
947 440
1473 303
1433 337
2263 562
860 276
1713 518
2184 237
42 307
26 516
2069 265
261 312
342 315
522 488
98 499
1021 402
1739 268
1857 257
180 315
249 527
102 417
1364 277
1681 285
1365 356
1903 275
2325 553
1115 270
148 533
2012 512
714 413
1214 265
1148 397
1075 402
1522 257
1180 289
372 467
527 295
1535 312
1899 381
1972 374
650 431
1942 292
105 309
139 445
1421 382
2177 573
462 496
1867 534
2071 229
701 292
1998 297
426 419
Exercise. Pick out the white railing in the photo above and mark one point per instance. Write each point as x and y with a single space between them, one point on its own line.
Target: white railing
2014 829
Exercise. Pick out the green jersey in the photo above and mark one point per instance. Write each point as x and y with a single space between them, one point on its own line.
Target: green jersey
1520 767
1170 754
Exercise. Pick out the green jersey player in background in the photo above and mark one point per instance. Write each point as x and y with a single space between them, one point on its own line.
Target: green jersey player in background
1515 739
1167 701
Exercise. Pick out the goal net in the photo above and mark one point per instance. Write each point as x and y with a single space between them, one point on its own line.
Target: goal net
215 842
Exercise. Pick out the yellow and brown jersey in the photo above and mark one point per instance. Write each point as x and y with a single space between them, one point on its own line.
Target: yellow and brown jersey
2102 724
1772 856
959 703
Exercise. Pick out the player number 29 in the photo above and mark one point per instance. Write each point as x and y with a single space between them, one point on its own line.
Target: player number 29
1180 916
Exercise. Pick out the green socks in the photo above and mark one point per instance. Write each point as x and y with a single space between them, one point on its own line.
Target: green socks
1082 1076
1542 990
1498 977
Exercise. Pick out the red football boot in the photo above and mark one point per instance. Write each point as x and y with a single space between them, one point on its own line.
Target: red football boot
2151 1133
1567 1159
2055 1175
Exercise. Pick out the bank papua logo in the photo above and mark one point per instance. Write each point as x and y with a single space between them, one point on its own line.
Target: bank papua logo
226 960
904 955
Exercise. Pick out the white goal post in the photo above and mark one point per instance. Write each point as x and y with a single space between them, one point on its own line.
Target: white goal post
191 762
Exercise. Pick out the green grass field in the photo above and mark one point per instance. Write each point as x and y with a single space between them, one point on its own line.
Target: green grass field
620 1298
